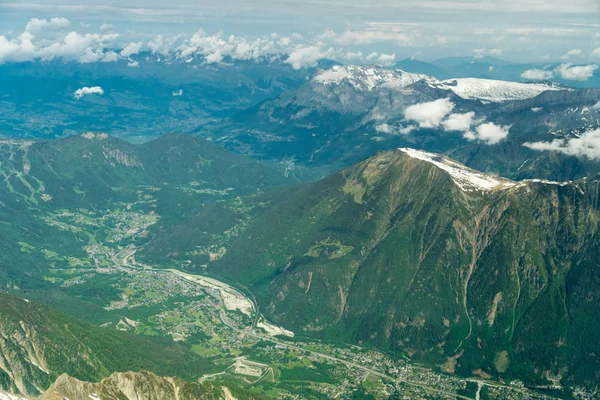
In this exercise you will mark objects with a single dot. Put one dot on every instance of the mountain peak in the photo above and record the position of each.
(94, 135)
(465, 178)
(368, 77)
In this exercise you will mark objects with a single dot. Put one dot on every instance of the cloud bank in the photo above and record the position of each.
(588, 145)
(567, 71)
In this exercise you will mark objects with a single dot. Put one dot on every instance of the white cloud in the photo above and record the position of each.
(84, 91)
(384, 128)
(110, 56)
(391, 129)
(214, 58)
(596, 106)
(71, 47)
(372, 56)
(214, 48)
(459, 122)
(588, 145)
(371, 36)
(351, 55)
(596, 52)
(537, 74)
(133, 64)
(573, 53)
(405, 130)
(479, 53)
(162, 45)
(107, 27)
(131, 49)
(576, 72)
(36, 25)
(305, 57)
(429, 114)
(178, 93)
(82, 48)
(386, 59)
(489, 133)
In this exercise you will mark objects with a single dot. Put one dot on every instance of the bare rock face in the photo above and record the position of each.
(130, 386)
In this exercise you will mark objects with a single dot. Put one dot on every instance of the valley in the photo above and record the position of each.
(299, 200)
(220, 322)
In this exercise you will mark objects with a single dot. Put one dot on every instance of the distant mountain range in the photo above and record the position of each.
(434, 211)
(345, 114)
(149, 100)
(486, 68)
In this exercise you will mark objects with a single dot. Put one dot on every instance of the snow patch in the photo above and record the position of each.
(368, 78)
(489, 90)
(465, 178)
(546, 182)
(493, 90)
(92, 135)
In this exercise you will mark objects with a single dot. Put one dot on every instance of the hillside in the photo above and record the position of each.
(132, 386)
(419, 255)
(95, 169)
(38, 344)
(131, 187)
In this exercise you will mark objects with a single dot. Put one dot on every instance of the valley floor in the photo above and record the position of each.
(223, 324)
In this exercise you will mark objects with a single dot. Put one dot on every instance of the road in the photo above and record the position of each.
(231, 324)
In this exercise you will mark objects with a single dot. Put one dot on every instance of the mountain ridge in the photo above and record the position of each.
(393, 253)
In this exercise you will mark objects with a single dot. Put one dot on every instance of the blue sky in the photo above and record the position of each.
(352, 30)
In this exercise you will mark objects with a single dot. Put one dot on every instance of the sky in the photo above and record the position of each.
(353, 31)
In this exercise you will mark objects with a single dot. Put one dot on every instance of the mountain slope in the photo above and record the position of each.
(86, 169)
(38, 344)
(416, 254)
(131, 386)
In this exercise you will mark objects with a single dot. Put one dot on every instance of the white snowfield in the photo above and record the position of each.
(470, 180)
(373, 77)
(493, 90)
(465, 178)
(368, 78)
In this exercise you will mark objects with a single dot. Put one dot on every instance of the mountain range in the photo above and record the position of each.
(347, 113)
(429, 214)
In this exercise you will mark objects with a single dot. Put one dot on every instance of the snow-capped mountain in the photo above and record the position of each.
(346, 113)
(494, 90)
(377, 78)
(368, 78)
